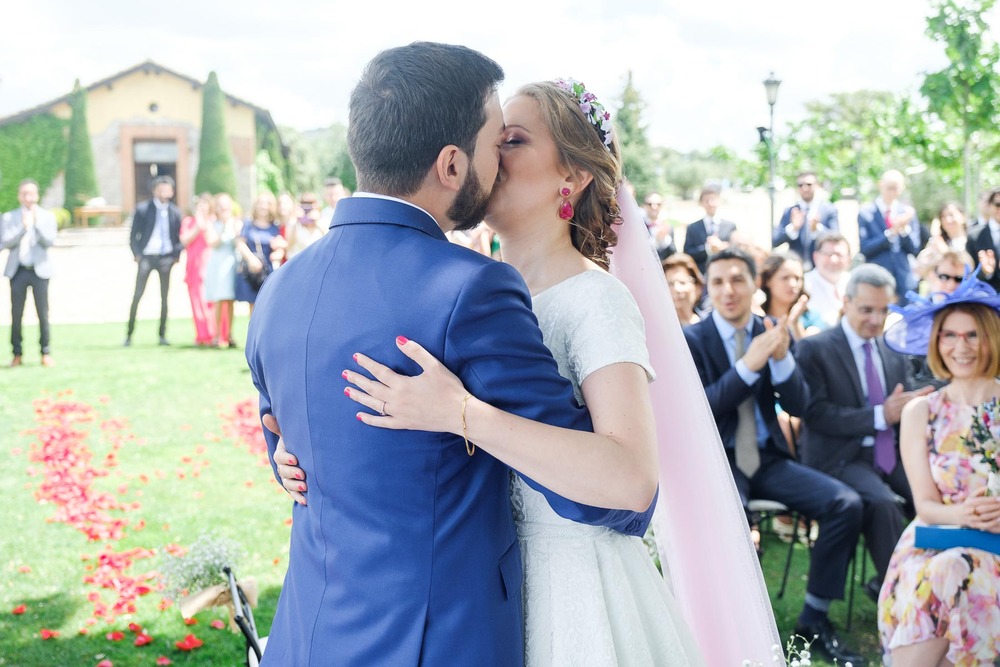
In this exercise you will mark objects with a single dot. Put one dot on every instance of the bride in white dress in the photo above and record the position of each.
(592, 596)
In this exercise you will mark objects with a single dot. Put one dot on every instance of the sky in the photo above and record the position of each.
(699, 65)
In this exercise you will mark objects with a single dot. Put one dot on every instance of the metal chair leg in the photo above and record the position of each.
(788, 558)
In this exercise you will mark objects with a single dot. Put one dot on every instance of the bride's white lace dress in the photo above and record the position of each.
(592, 596)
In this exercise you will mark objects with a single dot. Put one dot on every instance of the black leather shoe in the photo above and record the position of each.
(826, 642)
(164, 341)
(872, 589)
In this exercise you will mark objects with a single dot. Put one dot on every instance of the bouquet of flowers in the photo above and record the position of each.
(982, 440)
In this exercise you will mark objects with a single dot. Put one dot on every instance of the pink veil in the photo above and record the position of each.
(701, 530)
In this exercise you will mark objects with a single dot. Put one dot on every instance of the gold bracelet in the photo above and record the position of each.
(470, 448)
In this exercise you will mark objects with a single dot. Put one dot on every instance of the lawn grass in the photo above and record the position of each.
(176, 402)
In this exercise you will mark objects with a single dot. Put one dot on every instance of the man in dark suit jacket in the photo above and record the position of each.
(890, 233)
(851, 431)
(156, 246)
(983, 242)
(407, 552)
(803, 222)
(710, 234)
(742, 389)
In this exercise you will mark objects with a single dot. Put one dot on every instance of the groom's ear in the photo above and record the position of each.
(451, 167)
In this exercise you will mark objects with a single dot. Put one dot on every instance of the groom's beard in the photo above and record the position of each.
(470, 203)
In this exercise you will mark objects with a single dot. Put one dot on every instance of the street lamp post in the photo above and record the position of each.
(771, 87)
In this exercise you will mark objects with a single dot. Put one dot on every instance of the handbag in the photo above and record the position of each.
(255, 278)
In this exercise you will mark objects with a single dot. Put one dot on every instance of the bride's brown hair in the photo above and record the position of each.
(581, 147)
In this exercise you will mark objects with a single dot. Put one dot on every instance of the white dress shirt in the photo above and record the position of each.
(857, 344)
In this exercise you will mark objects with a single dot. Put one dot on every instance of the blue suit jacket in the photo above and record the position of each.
(696, 237)
(803, 244)
(891, 255)
(726, 390)
(407, 552)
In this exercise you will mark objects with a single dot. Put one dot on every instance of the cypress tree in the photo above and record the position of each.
(81, 178)
(215, 164)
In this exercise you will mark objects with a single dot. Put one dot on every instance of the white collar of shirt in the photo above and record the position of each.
(853, 339)
(374, 195)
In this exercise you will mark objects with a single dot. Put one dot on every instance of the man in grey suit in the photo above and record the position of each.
(27, 232)
(857, 389)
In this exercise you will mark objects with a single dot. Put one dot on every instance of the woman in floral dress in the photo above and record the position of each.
(942, 607)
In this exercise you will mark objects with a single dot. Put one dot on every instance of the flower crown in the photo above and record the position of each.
(592, 110)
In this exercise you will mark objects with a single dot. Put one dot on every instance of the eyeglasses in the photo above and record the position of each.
(681, 282)
(833, 253)
(806, 185)
(950, 338)
(947, 276)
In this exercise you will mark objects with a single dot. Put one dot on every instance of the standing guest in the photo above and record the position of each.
(983, 210)
(890, 233)
(939, 606)
(306, 229)
(827, 280)
(192, 237)
(948, 232)
(220, 271)
(984, 241)
(27, 232)
(710, 234)
(781, 282)
(286, 214)
(260, 245)
(858, 388)
(803, 222)
(333, 191)
(745, 363)
(686, 284)
(662, 233)
(156, 246)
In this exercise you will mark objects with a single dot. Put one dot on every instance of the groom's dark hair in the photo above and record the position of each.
(411, 102)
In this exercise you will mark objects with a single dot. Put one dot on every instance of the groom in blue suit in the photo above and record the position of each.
(407, 552)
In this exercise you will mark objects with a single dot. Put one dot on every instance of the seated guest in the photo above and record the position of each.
(745, 363)
(857, 389)
(939, 607)
(782, 285)
(827, 281)
(686, 284)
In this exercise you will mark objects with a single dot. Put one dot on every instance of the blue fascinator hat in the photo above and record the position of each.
(912, 334)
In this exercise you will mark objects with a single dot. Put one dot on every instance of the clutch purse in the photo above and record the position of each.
(947, 537)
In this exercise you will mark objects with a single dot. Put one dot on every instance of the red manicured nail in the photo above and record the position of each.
(344, 375)
(292, 460)
(298, 475)
(358, 416)
(401, 340)
(302, 487)
(355, 357)
(347, 392)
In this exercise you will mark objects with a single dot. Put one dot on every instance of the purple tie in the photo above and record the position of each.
(885, 446)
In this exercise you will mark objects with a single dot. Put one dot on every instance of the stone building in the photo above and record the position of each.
(146, 121)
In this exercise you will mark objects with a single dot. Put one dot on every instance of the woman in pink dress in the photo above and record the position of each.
(942, 607)
(193, 238)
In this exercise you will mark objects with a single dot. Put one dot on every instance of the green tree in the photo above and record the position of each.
(81, 178)
(638, 160)
(215, 163)
(34, 148)
(965, 93)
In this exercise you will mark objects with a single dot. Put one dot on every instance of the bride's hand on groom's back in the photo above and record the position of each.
(431, 401)
(293, 478)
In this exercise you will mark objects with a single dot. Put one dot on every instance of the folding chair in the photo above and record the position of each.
(768, 509)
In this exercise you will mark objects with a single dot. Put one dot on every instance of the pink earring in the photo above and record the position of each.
(566, 208)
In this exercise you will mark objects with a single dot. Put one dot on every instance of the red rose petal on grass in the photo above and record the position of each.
(277, 560)
(24, 569)
(217, 624)
(135, 627)
(288, 521)
(105, 663)
(18, 610)
(83, 631)
(190, 621)
(115, 636)
(163, 660)
(165, 604)
(142, 639)
(48, 634)
(189, 643)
